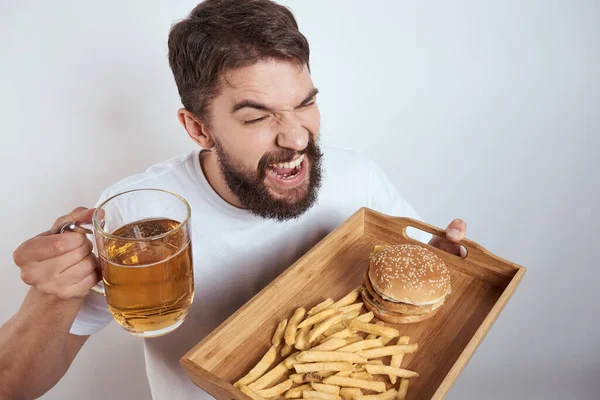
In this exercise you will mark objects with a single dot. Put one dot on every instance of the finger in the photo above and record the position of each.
(69, 259)
(83, 287)
(40, 248)
(77, 272)
(79, 214)
(456, 230)
(46, 272)
(446, 245)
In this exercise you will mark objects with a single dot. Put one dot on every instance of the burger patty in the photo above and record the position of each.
(398, 307)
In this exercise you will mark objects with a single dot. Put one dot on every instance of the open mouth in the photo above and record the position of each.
(288, 170)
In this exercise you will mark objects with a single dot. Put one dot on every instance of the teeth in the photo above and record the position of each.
(298, 161)
(291, 164)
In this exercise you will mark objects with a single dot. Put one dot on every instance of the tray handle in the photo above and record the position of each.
(409, 222)
(475, 252)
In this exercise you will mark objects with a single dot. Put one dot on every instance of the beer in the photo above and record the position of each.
(149, 283)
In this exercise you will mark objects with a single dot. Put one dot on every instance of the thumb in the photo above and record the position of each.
(80, 214)
(84, 216)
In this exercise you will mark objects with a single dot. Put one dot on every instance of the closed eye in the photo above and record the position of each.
(308, 104)
(253, 121)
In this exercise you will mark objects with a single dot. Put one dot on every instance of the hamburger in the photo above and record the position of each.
(405, 283)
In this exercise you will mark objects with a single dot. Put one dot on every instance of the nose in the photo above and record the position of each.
(292, 134)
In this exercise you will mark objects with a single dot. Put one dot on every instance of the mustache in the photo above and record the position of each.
(282, 156)
(311, 152)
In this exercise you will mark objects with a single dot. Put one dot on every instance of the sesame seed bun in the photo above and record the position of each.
(398, 307)
(409, 274)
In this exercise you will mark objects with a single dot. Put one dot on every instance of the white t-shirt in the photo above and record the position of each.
(233, 250)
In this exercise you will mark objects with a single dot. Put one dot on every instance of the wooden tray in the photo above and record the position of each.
(482, 284)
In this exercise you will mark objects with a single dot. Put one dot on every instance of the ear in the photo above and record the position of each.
(197, 130)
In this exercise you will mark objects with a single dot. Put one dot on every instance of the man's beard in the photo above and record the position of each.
(254, 195)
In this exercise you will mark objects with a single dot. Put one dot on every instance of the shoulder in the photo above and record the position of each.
(160, 175)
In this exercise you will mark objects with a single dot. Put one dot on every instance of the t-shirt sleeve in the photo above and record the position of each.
(93, 315)
(385, 198)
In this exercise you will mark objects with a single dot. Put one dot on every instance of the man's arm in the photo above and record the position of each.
(36, 348)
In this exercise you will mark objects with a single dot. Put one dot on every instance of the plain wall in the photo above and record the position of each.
(489, 111)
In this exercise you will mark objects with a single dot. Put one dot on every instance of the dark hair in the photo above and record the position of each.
(222, 35)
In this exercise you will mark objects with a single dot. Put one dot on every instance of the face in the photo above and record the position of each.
(265, 124)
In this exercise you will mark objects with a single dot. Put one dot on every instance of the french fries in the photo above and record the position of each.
(332, 344)
(372, 328)
(292, 326)
(347, 299)
(338, 352)
(320, 339)
(296, 393)
(387, 370)
(286, 350)
(320, 307)
(389, 395)
(324, 388)
(367, 317)
(361, 366)
(298, 378)
(362, 375)
(302, 339)
(278, 335)
(375, 386)
(291, 360)
(351, 307)
(313, 394)
(323, 326)
(385, 340)
(353, 339)
(320, 317)
(372, 335)
(403, 389)
(275, 390)
(374, 362)
(312, 356)
(311, 376)
(251, 393)
(270, 377)
(259, 369)
(396, 360)
(388, 351)
(344, 373)
(323, 366)
(351, 393)
(318, 376)
(344, 333)
(362, 345)
(334, 329)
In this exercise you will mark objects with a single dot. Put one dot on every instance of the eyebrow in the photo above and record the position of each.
(259, 106)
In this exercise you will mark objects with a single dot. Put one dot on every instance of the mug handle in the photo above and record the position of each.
(75, 227)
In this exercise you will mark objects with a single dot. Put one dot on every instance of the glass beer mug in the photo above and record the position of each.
(143, 243)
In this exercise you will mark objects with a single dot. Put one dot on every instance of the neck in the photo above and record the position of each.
(210, 167)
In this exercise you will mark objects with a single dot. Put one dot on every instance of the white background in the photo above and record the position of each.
(485, 110)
